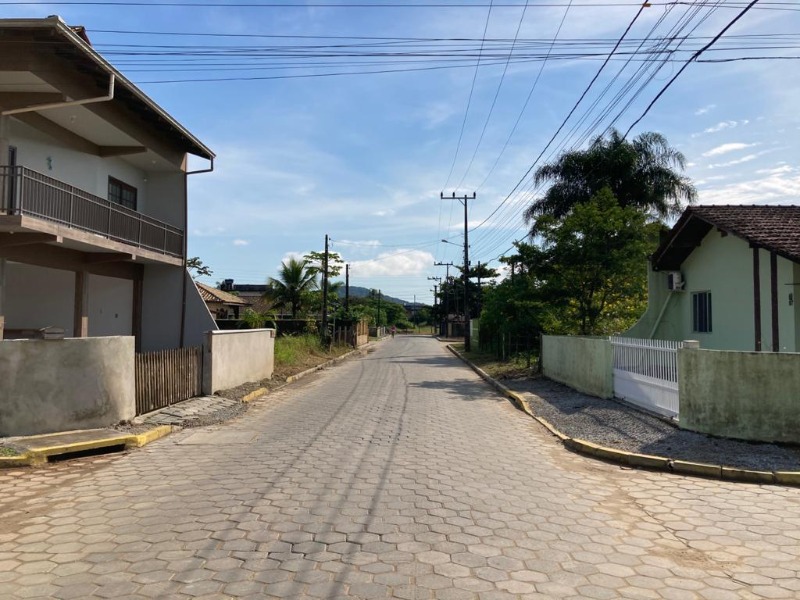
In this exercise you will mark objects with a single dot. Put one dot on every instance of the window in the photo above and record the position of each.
(121, 193)
(701, 312)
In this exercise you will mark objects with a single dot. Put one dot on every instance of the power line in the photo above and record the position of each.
(469, 99)
(683, 68)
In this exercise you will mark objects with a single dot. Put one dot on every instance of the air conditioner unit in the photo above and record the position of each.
(675, 281)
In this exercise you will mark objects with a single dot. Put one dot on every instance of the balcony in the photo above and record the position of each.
(25, 192)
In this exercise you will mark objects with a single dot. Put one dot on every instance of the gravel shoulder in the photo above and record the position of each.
(617, 425)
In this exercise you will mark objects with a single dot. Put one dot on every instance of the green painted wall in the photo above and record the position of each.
(582, 363)
(742, 395)
(723, 265)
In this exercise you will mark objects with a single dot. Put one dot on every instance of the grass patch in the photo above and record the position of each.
(6, 451)
(515, 367)
(298, 352)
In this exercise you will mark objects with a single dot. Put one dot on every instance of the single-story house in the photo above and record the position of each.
(729, 277)
(223, 305)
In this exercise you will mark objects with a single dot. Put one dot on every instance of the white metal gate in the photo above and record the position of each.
(646, 373)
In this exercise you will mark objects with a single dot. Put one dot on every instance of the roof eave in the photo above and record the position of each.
(58, 25)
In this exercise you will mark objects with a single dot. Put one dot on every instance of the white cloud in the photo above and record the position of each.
(383, 213)
(725, 148)
(738, 161)
(773, 189)
(731, 163)
(705, 109)
(721, 126)
(395, 264)
(241, 243)
(782, 170)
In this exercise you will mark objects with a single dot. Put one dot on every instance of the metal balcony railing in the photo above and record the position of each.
(27, 192)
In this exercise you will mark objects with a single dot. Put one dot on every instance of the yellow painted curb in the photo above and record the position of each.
(254, 395)
(39, 455)
(546, 424)
(142, 439)
(618, 456)
(787, 477)
(331, 362)
(699, 469)
(19, 460)
(747, 475)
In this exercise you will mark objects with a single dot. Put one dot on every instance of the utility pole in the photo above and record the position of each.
(463, 199)
(325, 292)
(435, 298)
(379, 306)
(347, 289)
(446, 333)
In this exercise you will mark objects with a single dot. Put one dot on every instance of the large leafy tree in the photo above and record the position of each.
(591, 266)
(294, 282)
(644, 173)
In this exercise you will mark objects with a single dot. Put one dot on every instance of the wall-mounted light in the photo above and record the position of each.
(791, 299)
(49, 161)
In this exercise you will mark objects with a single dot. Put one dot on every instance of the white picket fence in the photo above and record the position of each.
(646, 373)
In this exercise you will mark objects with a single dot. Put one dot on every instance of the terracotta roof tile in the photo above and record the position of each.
(212, 294)
(775, 228)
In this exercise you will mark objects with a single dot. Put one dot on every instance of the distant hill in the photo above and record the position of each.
(362, 292)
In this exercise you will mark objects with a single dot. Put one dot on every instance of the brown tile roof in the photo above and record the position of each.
(212, 294)
(774, 228)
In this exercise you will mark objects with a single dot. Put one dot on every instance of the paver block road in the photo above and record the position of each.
(398, 475)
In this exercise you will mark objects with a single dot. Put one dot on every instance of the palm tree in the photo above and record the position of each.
(294, 280)
(644, 173)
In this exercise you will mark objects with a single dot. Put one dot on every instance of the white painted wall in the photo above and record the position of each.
(231, 358)
(167, 195)
(162, 300)
(110, 306)
(41, 153)
(38, 297)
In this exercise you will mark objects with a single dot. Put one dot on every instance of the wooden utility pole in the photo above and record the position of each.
(463, 199)
(325, 292)
(446, 295)
(347, 289)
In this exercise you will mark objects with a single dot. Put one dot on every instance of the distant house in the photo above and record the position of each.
(93, 197)
(223, 305)
(253, 293)
(728, 276)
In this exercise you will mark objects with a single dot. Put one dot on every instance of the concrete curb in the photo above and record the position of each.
(644, 461)
(254, 395)
(41, 455)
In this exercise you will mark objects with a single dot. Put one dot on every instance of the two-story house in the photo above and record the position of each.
(93, 196)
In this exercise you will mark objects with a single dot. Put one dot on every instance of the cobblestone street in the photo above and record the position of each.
(397, 475)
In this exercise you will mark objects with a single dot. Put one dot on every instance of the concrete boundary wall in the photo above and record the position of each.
(744, 395)
(48, 386)
(583, 363)
(231, 358)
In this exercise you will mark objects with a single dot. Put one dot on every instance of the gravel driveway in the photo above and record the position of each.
(617, 425)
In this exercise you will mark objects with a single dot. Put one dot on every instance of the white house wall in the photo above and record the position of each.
(53, 158)
(162, 307)
(38, 297)
(110, 306)
(167, 186)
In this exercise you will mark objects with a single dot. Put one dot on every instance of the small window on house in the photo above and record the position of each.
(701, 312)
(121, 193)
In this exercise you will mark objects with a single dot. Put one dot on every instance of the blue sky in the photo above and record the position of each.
(363, 158)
